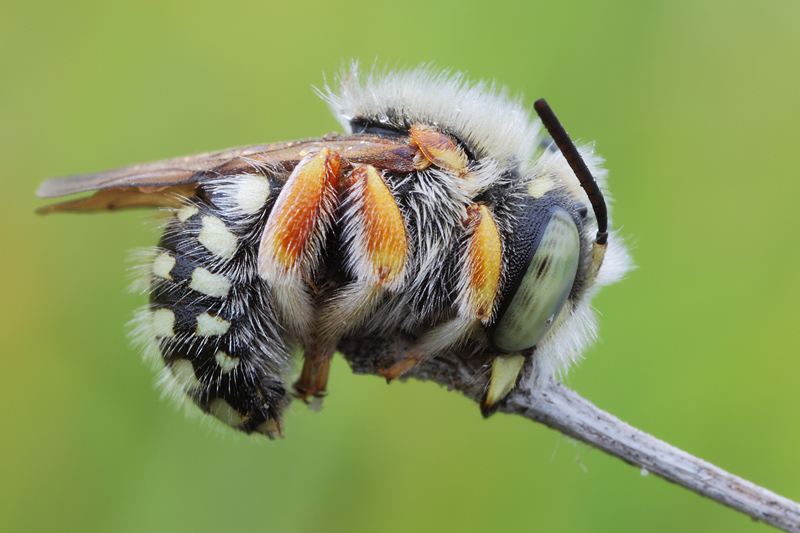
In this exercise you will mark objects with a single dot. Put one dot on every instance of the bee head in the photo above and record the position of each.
(548, 259)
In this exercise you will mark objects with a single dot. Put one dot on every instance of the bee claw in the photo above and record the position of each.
(302, 393)
(488, 410)
(398, 369)
(385, 373)
(303, 397)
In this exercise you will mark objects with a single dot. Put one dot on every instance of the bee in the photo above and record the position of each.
(441, 213)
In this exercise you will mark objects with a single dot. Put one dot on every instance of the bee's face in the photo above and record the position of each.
(433, 217)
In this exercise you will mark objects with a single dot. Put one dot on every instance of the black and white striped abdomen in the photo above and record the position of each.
(212, 318)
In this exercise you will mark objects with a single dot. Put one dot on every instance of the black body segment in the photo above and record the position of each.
(218, 338)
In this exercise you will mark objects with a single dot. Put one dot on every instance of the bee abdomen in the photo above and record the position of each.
(201, 295)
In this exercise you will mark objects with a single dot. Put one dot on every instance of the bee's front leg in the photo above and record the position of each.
(479, 282)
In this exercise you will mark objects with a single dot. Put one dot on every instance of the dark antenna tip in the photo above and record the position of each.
(578, 166)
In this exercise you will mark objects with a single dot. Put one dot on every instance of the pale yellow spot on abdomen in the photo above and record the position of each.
(223, 410)
(251, 193)
(184, 374)
(225, 361)
(217, 238)
(209, 326)
(271, 428)
(205, 281)
(162, 265)
(186, 212)
(163, 322)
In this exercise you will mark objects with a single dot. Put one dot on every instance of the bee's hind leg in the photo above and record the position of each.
(313, 380)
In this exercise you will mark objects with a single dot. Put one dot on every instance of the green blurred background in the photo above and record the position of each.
(694, 104)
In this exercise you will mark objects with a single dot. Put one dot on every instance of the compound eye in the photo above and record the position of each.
(539, 289)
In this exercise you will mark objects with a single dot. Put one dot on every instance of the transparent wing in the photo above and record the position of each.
(165, 183)
(177, 171)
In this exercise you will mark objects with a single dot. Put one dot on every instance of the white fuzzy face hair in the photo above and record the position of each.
(440, 214)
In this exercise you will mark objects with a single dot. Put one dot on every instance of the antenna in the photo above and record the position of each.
(576, 162)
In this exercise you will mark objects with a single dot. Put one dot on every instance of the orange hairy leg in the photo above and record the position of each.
(480, 281)
(294, 237)
(483, 262)
(298, 212)
(377, 251)
(382, 226)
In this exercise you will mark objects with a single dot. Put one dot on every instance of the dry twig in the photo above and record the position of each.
(551, 403)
